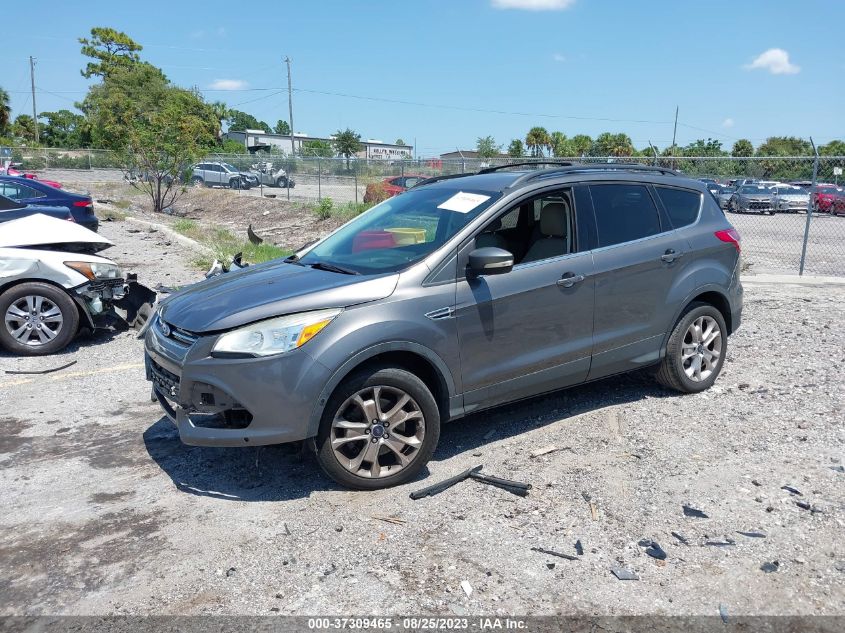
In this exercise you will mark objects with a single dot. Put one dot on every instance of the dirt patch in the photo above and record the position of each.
(101, 498)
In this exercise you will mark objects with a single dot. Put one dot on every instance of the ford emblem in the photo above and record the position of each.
(165, 329)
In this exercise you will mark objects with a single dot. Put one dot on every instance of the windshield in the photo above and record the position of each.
(754, 190)
(400, 231)
(229, 167)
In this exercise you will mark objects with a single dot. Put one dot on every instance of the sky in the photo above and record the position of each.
(441, 73)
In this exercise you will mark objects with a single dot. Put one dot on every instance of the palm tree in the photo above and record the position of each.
(5, 111)
(221, 113)
(537, 140)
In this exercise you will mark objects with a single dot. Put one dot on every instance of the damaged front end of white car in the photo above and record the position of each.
(53, 283)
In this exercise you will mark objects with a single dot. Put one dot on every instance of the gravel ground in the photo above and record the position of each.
(104, 511)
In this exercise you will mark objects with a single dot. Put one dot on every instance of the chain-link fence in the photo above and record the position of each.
(765, 197)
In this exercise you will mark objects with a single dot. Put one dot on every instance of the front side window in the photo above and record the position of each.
(624, 213)
(682, 206)
(400, 231)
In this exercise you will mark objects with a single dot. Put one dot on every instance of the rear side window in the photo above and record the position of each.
(624, 213)
(682, 206)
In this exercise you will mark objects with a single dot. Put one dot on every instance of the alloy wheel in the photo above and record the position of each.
(377, 432)
(33, 320)
(701, 349)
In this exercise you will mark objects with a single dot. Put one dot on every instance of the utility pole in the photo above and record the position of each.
(290, 109)
(674, 135)
(34, 109)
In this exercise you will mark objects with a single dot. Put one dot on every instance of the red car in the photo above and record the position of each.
(389, 187)
(829, 199)
(10, 171)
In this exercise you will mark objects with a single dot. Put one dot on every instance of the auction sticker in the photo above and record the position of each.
(463, 202)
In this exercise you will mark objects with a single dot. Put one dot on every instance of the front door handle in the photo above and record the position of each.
(670, 255)
(569, 279)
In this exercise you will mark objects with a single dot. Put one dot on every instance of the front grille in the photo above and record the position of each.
(759, 205)
(165, 382)
(183, 337)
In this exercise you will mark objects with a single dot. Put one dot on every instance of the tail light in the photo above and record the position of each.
(82, 203)
(731, 236)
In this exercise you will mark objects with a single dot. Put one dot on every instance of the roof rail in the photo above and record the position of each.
(428, 181)
(490, 170)
(586, 167)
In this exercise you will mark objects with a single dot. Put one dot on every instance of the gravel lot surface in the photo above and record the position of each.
(104, 511)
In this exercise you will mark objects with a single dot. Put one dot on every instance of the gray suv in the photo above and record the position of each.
(463, 293)
(220, 174)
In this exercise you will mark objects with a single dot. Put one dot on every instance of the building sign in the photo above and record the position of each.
(388, 153)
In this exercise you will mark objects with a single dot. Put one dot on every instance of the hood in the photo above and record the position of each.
(265, 291)
(42, 230)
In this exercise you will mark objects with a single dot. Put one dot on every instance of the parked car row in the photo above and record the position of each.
(748, 195)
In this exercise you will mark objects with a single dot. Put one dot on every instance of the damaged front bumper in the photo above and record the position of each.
(231, 402)
(115, 302)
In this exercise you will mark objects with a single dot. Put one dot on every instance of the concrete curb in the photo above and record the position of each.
(185, 241)
(795, 280)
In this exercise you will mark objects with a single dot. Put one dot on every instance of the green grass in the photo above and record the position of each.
(225, 245)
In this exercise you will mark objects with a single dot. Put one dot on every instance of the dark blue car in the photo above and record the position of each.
(14, 210)
(29, 191)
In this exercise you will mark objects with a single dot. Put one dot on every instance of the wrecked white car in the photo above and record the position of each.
(52, 284)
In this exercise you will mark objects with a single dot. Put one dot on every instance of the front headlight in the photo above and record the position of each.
(274, 336)
(95, 270)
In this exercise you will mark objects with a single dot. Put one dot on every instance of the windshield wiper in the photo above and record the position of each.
(293, 259)
(334, 268)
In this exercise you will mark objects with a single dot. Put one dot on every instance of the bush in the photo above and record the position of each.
(324, 209)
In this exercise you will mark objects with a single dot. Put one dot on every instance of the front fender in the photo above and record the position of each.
(371, 352)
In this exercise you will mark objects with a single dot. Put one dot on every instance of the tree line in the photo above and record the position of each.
(540, 143)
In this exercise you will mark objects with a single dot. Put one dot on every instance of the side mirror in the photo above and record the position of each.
(490, 261)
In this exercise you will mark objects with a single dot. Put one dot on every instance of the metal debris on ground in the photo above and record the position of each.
(768, 568)
(466, 587)
(551, 552)
(514, 487)
(791, 490)
(579, 549)
(695, 513)
(723, 613)
(655, 551)
(680, 538)
(624, 574)
(838, 469)
(752, 534)
(726, 543)
(393, 520)
(544, 451)
(38, 372)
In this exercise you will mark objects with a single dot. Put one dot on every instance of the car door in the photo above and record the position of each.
(529, 330)
(637, 261)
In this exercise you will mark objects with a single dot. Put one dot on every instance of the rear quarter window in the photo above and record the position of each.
(682, 206)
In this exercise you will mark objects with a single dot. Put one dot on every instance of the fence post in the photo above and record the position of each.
(355, 175)
(89, 159)
(319, 179)
(809, 208)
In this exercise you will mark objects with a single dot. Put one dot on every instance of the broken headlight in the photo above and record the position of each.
(95, 270)
(274, 336)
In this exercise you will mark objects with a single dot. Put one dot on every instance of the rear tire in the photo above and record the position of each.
(56, 318)
(196, 181)
(692, 362)
(412, 428)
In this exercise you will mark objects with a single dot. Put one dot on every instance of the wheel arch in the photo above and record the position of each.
(413, 357)
(711, 295)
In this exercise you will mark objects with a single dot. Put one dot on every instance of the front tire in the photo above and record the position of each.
(695, 351)
(379, 429)
(282, 182)
(196, 181)
(38, 319)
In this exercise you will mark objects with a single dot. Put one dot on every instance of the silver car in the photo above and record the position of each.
(789, 199)
(218, 174)
(752, 199)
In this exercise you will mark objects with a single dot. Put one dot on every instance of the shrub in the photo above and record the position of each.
(324, 209)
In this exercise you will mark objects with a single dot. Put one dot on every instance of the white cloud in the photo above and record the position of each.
(228, 84)
(776, 61)
(559, 58)
(729, 122)
(533, 5)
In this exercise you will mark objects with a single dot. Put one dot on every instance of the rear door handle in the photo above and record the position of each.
(670, 255)
(569, 279)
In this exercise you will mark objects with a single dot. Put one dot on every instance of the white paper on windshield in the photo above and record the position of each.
(463, 202)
